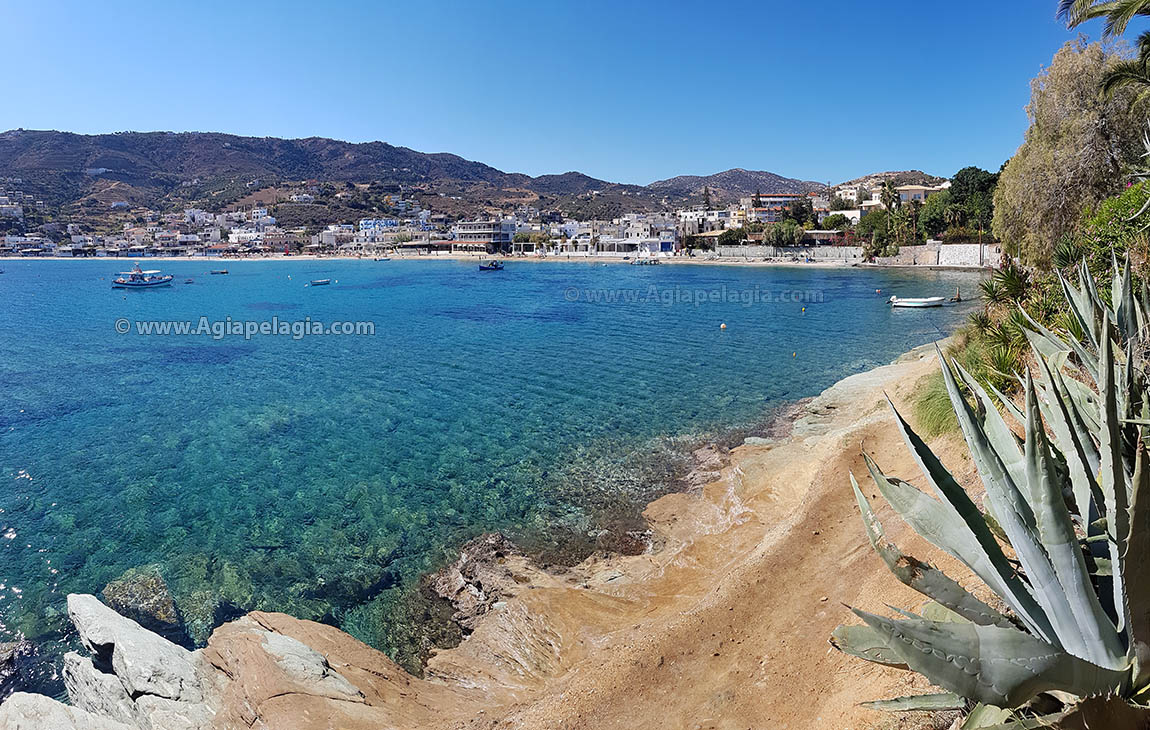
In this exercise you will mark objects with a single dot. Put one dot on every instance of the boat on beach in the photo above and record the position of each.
(917, 302)
(137, 278)
(493, 266)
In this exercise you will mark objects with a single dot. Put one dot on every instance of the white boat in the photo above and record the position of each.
(140, 279)
(917, 302)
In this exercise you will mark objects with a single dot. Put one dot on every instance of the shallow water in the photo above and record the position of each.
(316, 475)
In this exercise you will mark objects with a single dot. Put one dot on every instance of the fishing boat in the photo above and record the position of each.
(493, 266)
(319, 282)
(383, 258)
(219, 271)
(917, 303)
(137, 278)
(645, 262)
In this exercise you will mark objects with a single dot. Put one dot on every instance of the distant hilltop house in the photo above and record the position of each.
(302, 198)
(10, 208)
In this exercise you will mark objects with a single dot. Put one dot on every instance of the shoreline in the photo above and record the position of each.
(727, 617)
(475, 258)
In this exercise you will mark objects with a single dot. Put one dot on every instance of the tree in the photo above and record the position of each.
(933, 217)
(706, 198)
(971, 180)
(840, 203)
(835, 222)
(732, 237)
(889, 196)
(1075, 151)
(1132, 74)
(801, 211)
(757, 201)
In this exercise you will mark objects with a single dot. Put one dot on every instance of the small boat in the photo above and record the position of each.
(383, 258)
(493, 266)
(917, 303)
(644, 262)
(219, 271)
(189, 281)
(319, 282)
(140, 279)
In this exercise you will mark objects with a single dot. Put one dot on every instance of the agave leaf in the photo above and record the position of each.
(985, 716)
(919, 703)
(1124, 306)
(1081, 305)
(990, 664)
(1112, 480)
(935, 611)
(969, 541)
(1136, 569)
(1070, 442)
(1015, 413)
(1056, 344)
(1013, 510)
(1096, 640)
(1029, 723)
(866, 643)
(923, 577)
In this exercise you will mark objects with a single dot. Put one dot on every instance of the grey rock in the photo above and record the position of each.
(23, 711)
(308, 667)
(95, 691)
(142, 595)
(157, 713)
(144, 662)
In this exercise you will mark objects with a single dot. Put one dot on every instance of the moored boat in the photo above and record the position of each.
(319, 282)
(137, 278)
(219, 271)
(917, 302)
(493, 266)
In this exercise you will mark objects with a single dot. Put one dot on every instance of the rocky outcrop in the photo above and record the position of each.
(262, 672)
(142, 595)
(476, 581)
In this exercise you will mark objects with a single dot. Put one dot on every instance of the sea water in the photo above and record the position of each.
(322, 475)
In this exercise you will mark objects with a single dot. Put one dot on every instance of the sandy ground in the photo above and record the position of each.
(725, 625)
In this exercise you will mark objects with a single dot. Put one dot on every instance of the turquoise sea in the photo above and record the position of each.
(323, 475)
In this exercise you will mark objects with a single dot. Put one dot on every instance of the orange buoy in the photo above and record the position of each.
(723, 326)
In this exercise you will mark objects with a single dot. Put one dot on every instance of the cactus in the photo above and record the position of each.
(1064, 545)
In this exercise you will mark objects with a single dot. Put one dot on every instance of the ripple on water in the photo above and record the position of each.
(323, 476)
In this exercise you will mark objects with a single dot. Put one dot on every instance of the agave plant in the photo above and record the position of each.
(1063, 547)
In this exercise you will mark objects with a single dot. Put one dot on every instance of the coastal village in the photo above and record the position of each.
(740, 230)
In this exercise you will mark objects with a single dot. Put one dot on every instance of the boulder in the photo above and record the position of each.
(142, 595)
(146, 663)
(23, 711)
(97, 692)
(478, 579)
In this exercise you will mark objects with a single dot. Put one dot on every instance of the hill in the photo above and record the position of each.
(169, 171)
(730, 185)
(899, 177)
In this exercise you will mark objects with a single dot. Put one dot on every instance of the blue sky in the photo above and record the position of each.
(627, 91)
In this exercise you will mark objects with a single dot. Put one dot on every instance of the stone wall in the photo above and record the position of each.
(819, 253)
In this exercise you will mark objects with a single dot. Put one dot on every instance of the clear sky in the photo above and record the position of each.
(623, 90)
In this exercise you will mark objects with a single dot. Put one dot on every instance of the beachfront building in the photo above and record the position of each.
(493, 234)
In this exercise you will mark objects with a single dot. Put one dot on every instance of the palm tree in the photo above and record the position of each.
(1118, 13)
